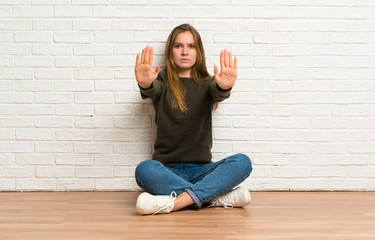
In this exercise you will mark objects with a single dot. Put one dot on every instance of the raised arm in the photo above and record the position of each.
(143, 68)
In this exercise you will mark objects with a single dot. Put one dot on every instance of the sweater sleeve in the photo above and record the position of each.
(216, 93)
(152, 92)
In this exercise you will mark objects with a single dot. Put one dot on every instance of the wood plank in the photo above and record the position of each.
(111, 215)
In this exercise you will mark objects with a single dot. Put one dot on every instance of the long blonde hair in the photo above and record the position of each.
(176, 90)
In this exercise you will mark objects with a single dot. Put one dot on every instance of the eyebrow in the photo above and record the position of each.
(182, 43)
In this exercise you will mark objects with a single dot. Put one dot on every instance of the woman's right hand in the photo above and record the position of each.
(143, 68)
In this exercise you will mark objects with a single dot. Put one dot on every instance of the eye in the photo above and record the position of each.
(177, 46)
(191, 46)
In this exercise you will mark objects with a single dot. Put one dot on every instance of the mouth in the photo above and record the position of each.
(184, 60)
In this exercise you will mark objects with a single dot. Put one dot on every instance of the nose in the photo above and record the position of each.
(184, 51)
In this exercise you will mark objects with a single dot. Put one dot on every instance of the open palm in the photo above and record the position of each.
(227, 76)
(143, 68)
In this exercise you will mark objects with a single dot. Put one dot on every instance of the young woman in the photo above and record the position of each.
(184, 96)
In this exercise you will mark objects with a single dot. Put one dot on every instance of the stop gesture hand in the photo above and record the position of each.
(228, 71)
(143, 68)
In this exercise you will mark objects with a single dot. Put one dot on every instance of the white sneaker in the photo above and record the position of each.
(238, 197)
(153, 204)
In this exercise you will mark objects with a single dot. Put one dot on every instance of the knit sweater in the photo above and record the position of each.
(184, 137)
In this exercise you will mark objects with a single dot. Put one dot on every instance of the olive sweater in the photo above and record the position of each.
(184, 137)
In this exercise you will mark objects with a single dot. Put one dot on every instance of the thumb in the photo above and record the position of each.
(216, 71)
(157, 70)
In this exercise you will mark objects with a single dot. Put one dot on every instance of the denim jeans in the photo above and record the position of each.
(201, 182)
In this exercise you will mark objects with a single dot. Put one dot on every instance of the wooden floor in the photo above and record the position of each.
(111, 215)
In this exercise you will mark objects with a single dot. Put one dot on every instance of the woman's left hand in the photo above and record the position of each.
(228, 71)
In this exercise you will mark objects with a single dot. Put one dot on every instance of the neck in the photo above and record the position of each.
(185, 73)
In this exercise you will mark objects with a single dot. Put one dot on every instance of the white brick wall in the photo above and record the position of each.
(303, 108)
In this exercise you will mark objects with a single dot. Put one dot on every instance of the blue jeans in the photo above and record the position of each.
(201, 182)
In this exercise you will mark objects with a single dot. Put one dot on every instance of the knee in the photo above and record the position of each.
(144, 168)
(244, 163)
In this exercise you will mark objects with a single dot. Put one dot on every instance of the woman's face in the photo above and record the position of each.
(184, 53)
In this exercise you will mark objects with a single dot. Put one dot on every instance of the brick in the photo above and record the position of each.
(91, 25)
(115, 160)
(73, 37)
(53, 122)
(114, 37)
(276, 38)
(290, 148)
(94, 172)
(7, 185)
(291, 172)
(112, 12)
(329, 12)
(272, 12)
(33, 61)
(75, 61)
(7, 85)
(73, 11)
(53, 73)
(15, 49)
(74, 110)
(34, 86)
(16, 122)
(94, 97)
(113, 61)
(95, 73)
(70, 184)
(33, 37)
(53, 147)
(133, 148)
(50, 2)
(54, 172)
(73, 86)
(271, 135)
(74, 135)
(53, 97)
(113, 136)
(33, 12)
(139, 122)
(332, 148)
(35, 134)
(93, 49)
(51, 24)
(35, 159)
(7, 159)
(42, 184)
(7, 134)
(125, 171)
(114, 110)
(55, 49)
(74, 159)
(93, 122)
(233, 12)
(90, 2)
(17, 172)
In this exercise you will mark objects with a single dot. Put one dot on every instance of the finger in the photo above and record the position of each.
(137, 60)
(230, 60)
(221, 60)
(235, 63)
(151, 58)
(226, 64)
(157, 70)
(147, 55)
(143, 56)
(216, 71)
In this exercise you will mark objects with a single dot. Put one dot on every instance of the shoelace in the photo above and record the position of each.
(215, 203)
(173, 197)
